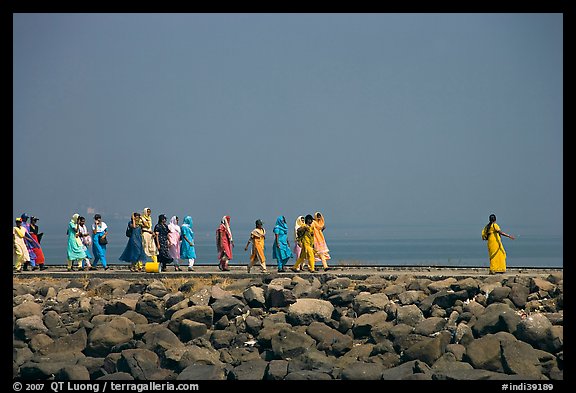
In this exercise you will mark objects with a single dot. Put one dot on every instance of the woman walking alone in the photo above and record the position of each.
(281, 248)
(492, 233)
(224, 243)
(187, 251)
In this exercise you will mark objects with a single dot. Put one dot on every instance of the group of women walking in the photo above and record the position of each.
(81, 241)
(26, 240)
(170, 243)
(165, 243)
(310, 245)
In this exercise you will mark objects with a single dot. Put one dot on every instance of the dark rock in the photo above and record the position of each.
(229, 306)
(221, 338)
(276, 370)
(199, 372)
(200, 314)
(496, 317)
(140, 363)
(75, 342)
(364, 324)
(254, 296)
(190, 330)
(406, 370)
(73, 373)
(151, 307)
(428, 350)
(329, 340)
(289, 344)
(497, 295)
(254, 370)
(306, 311)
(278, 296)
(307, 375)
(121, 376)
(367, 303)
(160, 339)
(104, 336)
(362, 371)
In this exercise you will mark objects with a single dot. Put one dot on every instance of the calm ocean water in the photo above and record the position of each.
(378, 245)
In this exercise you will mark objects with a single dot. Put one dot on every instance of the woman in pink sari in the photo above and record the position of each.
(174, 242)
(224, 243)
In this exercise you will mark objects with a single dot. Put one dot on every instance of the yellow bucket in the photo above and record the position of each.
(153, 267)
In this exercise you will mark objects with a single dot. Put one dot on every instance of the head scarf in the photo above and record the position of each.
(187, 222)
(281, 224)
(75, 218)
(299, 222)
(173, 226)
(319, 221)
(146, 219)
(226, 223)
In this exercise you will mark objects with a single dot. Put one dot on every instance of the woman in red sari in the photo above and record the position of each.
(38, 237)
(224, 243)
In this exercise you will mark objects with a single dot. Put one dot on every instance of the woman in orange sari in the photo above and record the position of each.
(492, 233)
(320, 247)
(257, 237)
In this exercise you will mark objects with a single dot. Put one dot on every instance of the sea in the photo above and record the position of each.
(377, 245)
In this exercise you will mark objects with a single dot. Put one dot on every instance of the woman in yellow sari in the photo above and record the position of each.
(305, 238)
(148, 241)
(492, 233)
(20, 254)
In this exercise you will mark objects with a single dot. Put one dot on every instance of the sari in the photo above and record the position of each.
(134, 250)
(161, 230)
(280, 250)
(298, 224)
(75, 249)
(305, 236)
(20, 254)
(174, 240)
(148, 242)
(187, 250)
(224, 242)
(320, 246)
(257, 237)
(37, 249)
(496, 251)
(99, 250)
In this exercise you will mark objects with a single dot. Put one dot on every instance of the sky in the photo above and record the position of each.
(381, 119)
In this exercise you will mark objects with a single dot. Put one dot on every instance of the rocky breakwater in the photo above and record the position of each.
(289, 327)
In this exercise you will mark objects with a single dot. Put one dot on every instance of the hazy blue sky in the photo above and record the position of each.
(369, 118)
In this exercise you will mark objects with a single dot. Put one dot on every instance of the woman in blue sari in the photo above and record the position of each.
(99, 231)
(281, 248)
(187, 251)
(134, 251)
